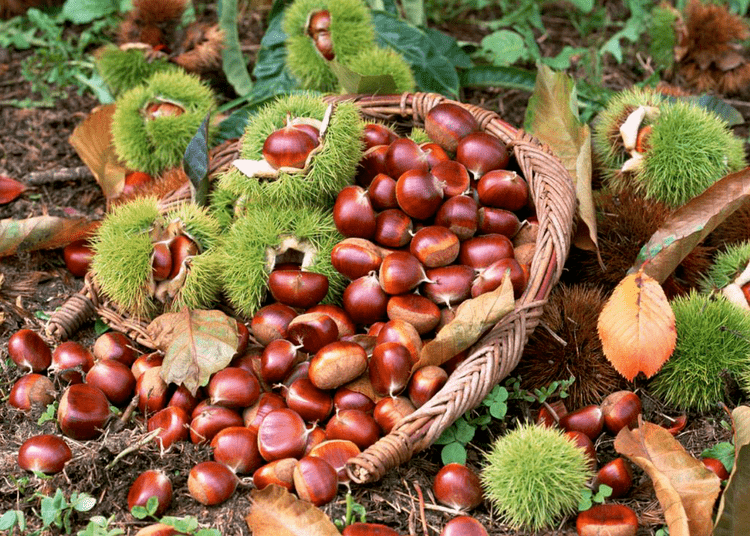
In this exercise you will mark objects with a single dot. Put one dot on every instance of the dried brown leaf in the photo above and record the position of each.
(686, 489)
(195, 344)
(276, 512)
(733, 517)
(637, 327)
(10, 189)
(42, 232)
(473, 317)
(691, 223)
(92, 140)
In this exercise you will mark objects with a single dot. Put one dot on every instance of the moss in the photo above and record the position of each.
(534, 475)
(154, 145)
(713, 341)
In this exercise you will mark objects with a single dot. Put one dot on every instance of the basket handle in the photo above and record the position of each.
(76, 311)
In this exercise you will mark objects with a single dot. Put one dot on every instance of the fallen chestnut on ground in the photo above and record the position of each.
(610, 519)
(457, 486)
(82, 412)
(151, 483)
(211, 483)
(28, 350)
(45, 453)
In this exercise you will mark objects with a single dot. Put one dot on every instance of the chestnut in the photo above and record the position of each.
(173, 423)
(211, 420)
(278, 359)
(417, 310)
(403, 333)
(353, 213)
(447, 122)
(114, 345)
(211, 483)
(271, 322)
(460, 214)
(448, 285)
(371, 163)
(337, 363)
(368, 529)
(405, 155)
(152, 391)
(400, 272)
(278, 472)
(382, 192)
(615, 519)
(70, 361)
(254, 415)
(180, 248)
(136, 180)
(375, 133)
(463, 526)
(365, 300)
(31, 390)
(297, 288)
(344, 322)
(356, 257)
(584, 442)
(390, 410)
(315, 436)
(161, 261)
(491, 277)
(418, 193)
(151, 483)
(315, 480)
(497, 221)
(233, 387)
(354, 425)
(502, 188)
(716, 467)
(282, 434)
(454, 177)
(588, 419)
(184, 399)
(390, 368)
(337, 452)
(145, 362)
(481, 152)
(434, 246)
(481, 251)
(114, 378)
(616, 474)
(425, 383)
(345, 398)
(288, 147)
(78, 255)
(458, 487)
(311, 403)
(312, 331)
(45, 453)
(434, 154)
(82, 412)
(28, 350)
(620, 409)
(393, 228)
(324, 45)
(237, 448)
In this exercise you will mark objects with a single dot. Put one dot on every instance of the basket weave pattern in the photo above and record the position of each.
(494, 356)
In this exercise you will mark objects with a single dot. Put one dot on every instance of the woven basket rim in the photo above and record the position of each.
(497, 352)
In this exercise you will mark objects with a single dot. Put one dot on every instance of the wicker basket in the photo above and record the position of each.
(497, 353)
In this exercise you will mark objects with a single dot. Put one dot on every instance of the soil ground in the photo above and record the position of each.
(35, 140)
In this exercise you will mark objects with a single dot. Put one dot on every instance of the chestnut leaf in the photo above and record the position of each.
(196, 343)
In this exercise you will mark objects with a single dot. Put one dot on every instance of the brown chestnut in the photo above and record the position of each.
(278, 472)
(613, 519)
(337, 452)
(365, 300)
(211, 483)
(312, 331)
(282, 434)
(502, 188)
(237, 448)
(115, 345)
(458, 487)
(173, 422)
(78, 255)
(588, 419)
(620, 409)
(70, 361)
(45, 453)
(353, 425)
(616, 474)
(31, 390)
(435, 246)
(28, 351)
(271, 322)
(447, 122)
(417, 310)
(233, 387)
(481, 152)
(315, 480)
(151, 483)
(419, 193)
(353, 213)
(425, 383)
(463, 526)
(460, 214)
(82, 412)
(297, 288)
(114, 378)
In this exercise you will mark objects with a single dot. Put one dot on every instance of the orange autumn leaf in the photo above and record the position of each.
(637, 326)
(686, 489)
(276, 512)
(10, 189)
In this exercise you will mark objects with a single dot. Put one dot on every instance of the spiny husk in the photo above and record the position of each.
(374, 61)
(727, 265)
(122, 70)
(158, 144)
(534, 475)
(351, 30)
(122, 257)
(246, 245)
(691, 149)
(419, 135)
(332, 168)
(568, 344)
(712, 347)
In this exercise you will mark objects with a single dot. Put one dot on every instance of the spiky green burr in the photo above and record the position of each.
(534, 475)
(727, 265)
(713, 343)
(332, 168)
(123, 247)
(122, 70)
(374, 61)
(263, 232)
(351, 30)
(153, 145)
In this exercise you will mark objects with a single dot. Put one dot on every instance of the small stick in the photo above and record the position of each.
(38, 178)
(120, 423)
(132, 448)
(421, 508)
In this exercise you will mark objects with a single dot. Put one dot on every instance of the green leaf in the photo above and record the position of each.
(432, 71)
(453, 453)
(414, 12)
(603, 492)
(448, 436)
(493, 75)
(195, 343)
(233, 126)
(100, 327)
(724, 452)
(504, 47)
(583, 5)
(714, 104)
(585, 502)
(353, 82)
(195, 163)
(139, 512)
(563, 59)
(464, 431)
(233, 62)
(449, 47)
(83, 502)
(8, 519)
(85, 11)
(498, 410)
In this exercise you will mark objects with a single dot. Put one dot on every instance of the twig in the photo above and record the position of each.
(132, 448)
(421, 508)
(38, 178)
(120, 423)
